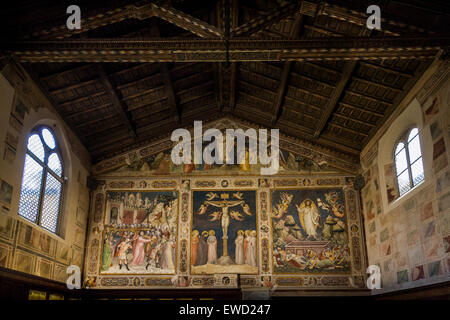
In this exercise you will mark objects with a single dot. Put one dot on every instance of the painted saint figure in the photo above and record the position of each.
(107, 253)
(246, 241)
(166, 261)
(202, 250)
(194, 246)
(212, 247)
(239, 250)
(251, 250)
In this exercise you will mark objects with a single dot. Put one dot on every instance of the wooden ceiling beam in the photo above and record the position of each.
(186, 21)
(228, 20)
(276, 108)
(200, 85)
(134, 82)
(322, 68)
(141, 12)
(264, 20)
(323, 31)
(361, 109)
(74, 86)
(172, 100)
(386, 69)
(301, 113)
(170, 92)
(355, 12)
(348, 129)
(52, 76)
(303, 103)
(320, 96)
(81, 99)
(335, 96)
(325, 84)
(99, 130)
(214, 50)
(142, 93)
(94, 108)
(145, 103)
(257, 88)
(255, 96)
(55, 105)
(96, 120)
(193, 98)
(117, 104)
(378, 84)
(340, 115)
(362, 95)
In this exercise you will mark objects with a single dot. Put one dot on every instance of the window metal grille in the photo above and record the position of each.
(408, 162)
(42, 182)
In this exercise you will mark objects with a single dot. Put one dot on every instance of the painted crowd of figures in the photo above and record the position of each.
(134, 250)
(204, 248)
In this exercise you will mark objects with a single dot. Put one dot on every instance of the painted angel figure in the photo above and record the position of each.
(309, 217)
(281, 208)
(336, 207)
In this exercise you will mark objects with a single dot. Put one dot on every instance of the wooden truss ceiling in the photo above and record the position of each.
(134, 72)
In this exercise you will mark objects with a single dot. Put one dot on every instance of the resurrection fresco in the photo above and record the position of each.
(224, 232)
(140, 234)
(309, 231)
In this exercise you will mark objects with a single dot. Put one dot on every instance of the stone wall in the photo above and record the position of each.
(408, 237)
(25, 246)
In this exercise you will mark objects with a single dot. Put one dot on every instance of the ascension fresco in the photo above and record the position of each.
(224, 236)
(141, 233)
(309, 231)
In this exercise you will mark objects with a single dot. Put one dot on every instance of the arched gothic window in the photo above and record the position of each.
(42, 182)
(408, 161)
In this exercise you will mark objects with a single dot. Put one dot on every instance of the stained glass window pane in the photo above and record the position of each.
(50, 207)
(31, 189)
(414, 149)
(48, 138)
(403, 182)
(36, 147)
(55, 164)
(400, 161)
(417, 172)
(414, 132)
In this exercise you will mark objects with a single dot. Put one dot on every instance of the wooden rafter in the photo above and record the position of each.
(336, 95)
(146, 11)
(340, 115)
(228, 15)
(117, 104)
(170, 92)
(55, 105)
(387, 69)
(355, 13)
(74, 86)
(213, 50)
(264, 21)
(276, 108)
(87, 110)
(75, 101)
(362, 109)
